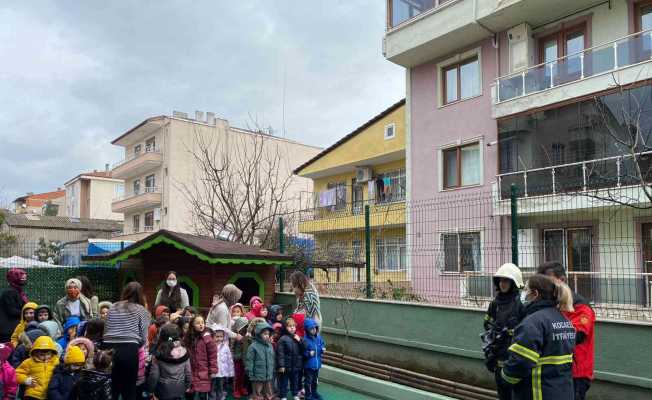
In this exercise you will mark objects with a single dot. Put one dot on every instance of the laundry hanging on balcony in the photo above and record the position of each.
(328, 198)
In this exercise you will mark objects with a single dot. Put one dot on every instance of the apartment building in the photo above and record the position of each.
(159, 167)
(36, 203)
(528, 93)
(364, 167)
(89, 195)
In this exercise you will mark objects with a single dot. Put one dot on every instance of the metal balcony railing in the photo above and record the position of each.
(133, 156)
(145, 190)
(400, 11)
(604, 58)
(603, 173)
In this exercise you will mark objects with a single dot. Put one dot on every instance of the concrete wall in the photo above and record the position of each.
(444, 342)
(102, 193)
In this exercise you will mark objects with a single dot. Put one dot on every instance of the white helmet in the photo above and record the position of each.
(509, 271)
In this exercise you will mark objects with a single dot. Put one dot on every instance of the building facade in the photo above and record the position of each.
(160, 167)
(38, 203)
(89, 195)
(540, 95)
(364, 168)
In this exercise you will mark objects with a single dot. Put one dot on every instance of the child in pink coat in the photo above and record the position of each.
(8, 384)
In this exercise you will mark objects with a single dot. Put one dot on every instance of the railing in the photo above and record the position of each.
(133, 156)
(629, 50)
(603, 173)
(148, 228)
(146, 189)
(404, 10)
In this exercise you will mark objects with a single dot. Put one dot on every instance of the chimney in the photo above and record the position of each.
(106, 168)
(210, 118)
(199, 116)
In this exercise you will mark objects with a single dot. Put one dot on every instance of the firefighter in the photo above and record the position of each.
(541, 354)
(505, 312)
(583, 319)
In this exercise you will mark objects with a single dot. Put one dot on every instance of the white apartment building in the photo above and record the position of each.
(89, 195)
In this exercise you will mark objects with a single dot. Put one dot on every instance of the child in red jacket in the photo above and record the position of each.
(203, 356)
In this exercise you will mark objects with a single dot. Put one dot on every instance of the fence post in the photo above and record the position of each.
(514, 212)
(367, 249)
(281, 249)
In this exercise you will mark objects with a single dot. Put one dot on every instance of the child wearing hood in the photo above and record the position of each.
(225, 367)
(69, 331)
(43, 313)
(505, 312)
(275, 315)
(170, 376)
(66, 376)
(27, 339)
(238, 351)
(36, 372)
(237, 311)
(96, 383)
(87, 347)
(289, 360)
(313, 348)
(28, 314)
(8, 384)
(161, 316)
(103, 307)
(260, 363)
(53, 330)
(252, 303)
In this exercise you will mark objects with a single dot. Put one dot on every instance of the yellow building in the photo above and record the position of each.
(365, 167)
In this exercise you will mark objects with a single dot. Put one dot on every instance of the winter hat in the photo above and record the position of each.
(160, 310)
(254, 300)
(52, 328)
(34, 334)
(103, 304)
(237, 305)
(240, 323)
(73, 281)
(74, 355)
(300, 320)
(217, 328)
(44, 343)
(16, 281)
(257, 309)
(90, 347)
(277, 327)
(231, 294)
(5, 351)
(44, 307)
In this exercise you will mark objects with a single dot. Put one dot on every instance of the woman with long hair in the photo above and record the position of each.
(125, 332)
(308, 302)
(219, 313)
(171, 294)
(87, 291)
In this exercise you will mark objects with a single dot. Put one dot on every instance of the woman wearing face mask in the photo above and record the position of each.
(12, 300)
(541, 354)
(74, 303)
(171, 294)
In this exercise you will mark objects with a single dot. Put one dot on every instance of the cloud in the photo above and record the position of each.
(80, 74)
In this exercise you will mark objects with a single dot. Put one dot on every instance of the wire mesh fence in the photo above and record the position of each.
(445, 250)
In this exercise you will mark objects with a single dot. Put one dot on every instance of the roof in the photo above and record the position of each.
(213, 251)
(94, 174)
(63, 223)
(145, 122)
(42, 197)
(358, 130)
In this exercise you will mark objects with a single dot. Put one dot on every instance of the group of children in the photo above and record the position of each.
(262, 355)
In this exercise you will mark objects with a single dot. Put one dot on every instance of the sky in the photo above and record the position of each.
(75, 75)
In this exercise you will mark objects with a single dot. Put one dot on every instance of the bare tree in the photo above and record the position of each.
(240, 184)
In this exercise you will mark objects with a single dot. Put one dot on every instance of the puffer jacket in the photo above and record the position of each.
(20, 328)
(583, 319)
(541, 354)
(8, 384)
(203, 363)
(70, 322)
(312, 344)
(94, 385)
(21, 353)
(289, 352)
(42, 371)
(259, 363)
(170, 375)
(63, 383)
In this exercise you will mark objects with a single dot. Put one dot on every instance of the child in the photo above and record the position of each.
(504, 313)
(289, 359)
(170, 376)
(69, 331)
(252, 303)
(27, 316)
(35, 372)
(203, 356)
(260, 311)
(27, 339)
(161, 316)
(314, 347)
(95, 331)
(43, 313)
(96, 383)
(8, 384)
(66, 376)
(300, 320)
(87, 347)
(224, 363)
(237, 311)
(275, 314)
(260, 363)
(104, 309)
(276, 335)
(52, 329)
(238, 351)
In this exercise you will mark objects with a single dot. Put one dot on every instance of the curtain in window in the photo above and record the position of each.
(450, 168)
(470, 165)
(470, 79)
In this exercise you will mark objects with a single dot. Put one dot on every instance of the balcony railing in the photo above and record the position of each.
(603, 173)
(400, 11)
(604, 58)
(133, 156)
(145, 190)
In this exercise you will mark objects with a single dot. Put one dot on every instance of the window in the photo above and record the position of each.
(149, 221)
(461, 252)
(403, 10)
(643, 17)
(461, 166)
(572, 247)
(137, 149)
(136, 223)
(461, 81)
(150, 183)
(137, 186)
(339, 191)
(357, 197)
(391, 187)
(565, 42)
(391, 254)
(390, 131)
(150, 145)
(358, 258)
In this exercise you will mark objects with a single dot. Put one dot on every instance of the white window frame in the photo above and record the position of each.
(385, 243)
(387, 128)
(454, 60)
(459, 143)
(442, 268)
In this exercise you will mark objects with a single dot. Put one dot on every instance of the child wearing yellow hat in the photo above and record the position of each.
(65, 376)
(36, 372)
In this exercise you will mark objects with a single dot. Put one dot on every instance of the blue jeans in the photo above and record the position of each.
(310, 379)
(288, 380)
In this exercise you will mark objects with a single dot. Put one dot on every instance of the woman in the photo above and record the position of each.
(219, 313)
(87, 291)
(307, 296)
(171, 294)
(12, 301)
(125, 332)
(541, 354)
(74, 303)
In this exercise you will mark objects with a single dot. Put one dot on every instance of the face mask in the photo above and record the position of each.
(171, 282)
(73, 292)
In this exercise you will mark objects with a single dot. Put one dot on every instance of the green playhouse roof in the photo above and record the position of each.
(210, 250)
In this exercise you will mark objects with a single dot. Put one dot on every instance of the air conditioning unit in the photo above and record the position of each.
(521, 47)
(363, 174)
(157, 214)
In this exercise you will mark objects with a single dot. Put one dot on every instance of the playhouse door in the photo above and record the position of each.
(250, 287)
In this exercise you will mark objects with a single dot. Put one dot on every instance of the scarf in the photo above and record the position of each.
(13, 278)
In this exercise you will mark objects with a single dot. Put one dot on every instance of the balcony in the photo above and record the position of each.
(138, 164)
(625, 60)
(149, 198)
(351, 217)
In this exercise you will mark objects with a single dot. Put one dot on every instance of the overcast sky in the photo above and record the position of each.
(75, 75)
